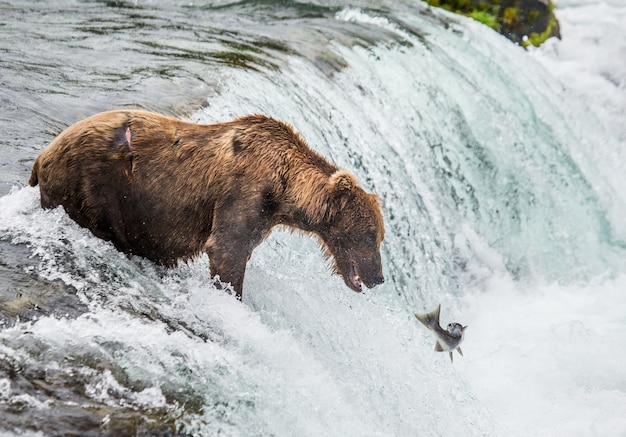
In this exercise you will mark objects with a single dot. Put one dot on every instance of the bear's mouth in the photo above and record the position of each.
(354, 280)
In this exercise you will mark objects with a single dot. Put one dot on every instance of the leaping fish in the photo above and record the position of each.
(447, 340)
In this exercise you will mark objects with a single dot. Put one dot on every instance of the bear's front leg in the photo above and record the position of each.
(238, 227)
(230, 268)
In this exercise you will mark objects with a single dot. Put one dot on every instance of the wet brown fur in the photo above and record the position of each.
(168, 190)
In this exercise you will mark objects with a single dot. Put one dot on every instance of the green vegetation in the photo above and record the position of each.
(537, 39)
(486, 18)
(522, 21)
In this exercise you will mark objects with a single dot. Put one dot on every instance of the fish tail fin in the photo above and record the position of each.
(431, 319)
(438, 347)
(459, 351)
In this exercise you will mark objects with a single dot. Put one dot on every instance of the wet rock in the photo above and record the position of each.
(75, 420)
(25, 296)
(524, 22)
(38, 395)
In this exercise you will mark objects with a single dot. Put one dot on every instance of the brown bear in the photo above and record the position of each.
(167, 190)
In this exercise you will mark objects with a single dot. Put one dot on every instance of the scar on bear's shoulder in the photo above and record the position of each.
(237, 144)
(122, 139)
(122, 142)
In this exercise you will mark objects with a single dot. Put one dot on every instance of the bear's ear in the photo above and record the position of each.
(376, 200)
(342, 180)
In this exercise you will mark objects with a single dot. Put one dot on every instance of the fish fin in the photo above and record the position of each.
(422, 318)
(451, 357)
(430, 319)
(438, 347)
(435, 315)
(459, 351)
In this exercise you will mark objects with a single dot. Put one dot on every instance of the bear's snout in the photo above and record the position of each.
(374, 281)
(372, 270)
(377, 280)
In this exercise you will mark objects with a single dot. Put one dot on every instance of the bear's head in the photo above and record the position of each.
(353, 232)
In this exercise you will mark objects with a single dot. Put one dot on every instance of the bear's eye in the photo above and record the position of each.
(369, 238)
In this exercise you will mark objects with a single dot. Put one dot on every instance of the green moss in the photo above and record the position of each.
(537, 39)
(486, 18)
(510, 18)
(533, 15)
(485, 12)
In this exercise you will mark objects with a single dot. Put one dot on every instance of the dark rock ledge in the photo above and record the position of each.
(524, 22)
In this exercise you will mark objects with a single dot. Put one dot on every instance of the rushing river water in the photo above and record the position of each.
(499, 202)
